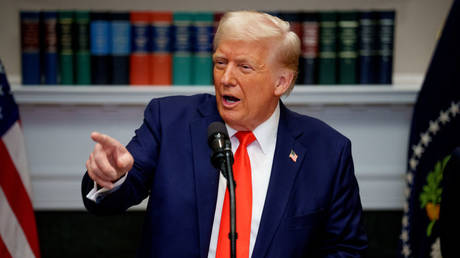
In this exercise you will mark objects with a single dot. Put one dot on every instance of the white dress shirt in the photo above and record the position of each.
(261, 153)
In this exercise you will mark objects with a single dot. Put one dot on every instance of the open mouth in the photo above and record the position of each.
(230, 99)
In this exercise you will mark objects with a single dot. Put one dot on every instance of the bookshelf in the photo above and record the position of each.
(417, 23)
(141, 95)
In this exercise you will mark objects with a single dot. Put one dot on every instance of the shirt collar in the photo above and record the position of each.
(265, 133)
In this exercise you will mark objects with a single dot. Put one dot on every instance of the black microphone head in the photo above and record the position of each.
(217, 134)
(217, 127)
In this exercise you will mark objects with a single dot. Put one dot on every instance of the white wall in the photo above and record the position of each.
(57, 124)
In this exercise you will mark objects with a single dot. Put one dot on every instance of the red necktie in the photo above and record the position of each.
(243, 196)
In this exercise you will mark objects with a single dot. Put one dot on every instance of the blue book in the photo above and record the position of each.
(100, 37)
(121, 47)
(367, 42)
(30, 47)
(49, 47)
(385, 39)
(50, 55)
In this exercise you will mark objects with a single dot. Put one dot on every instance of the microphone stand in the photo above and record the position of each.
(223, 159)
(233, 235)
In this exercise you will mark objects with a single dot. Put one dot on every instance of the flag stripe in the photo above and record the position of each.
(11, 234)
(4, 253)
(14, 142)
(18, 199)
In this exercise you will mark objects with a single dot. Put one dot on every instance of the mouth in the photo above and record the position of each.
(230, 100)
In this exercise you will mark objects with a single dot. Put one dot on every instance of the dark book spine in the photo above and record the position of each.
(327, 48)
(100, 35)
(367, 48)
(121, 47)
(30, 47)
(295, 23)
(348, 47)
(50, 58)
(385, 46)
(310, 40)
(66, 47)
(217, 17)
(82, 53)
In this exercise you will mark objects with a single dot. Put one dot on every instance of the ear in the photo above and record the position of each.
(284, 81)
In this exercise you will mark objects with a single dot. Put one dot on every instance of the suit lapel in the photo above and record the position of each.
(284, 171)
(206, 176)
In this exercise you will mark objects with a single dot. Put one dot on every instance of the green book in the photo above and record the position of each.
(182, 48)
(82, 55)
(348, 47)
(65, 45)
(203, 26)
(327, 61)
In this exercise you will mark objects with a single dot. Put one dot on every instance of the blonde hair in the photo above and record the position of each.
(256, 26)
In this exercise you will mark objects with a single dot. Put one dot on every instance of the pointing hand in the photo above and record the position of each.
(109, 160)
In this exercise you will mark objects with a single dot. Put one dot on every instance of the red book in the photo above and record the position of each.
(140, 65)
(161, 58)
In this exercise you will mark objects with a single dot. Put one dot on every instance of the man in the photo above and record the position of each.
(304, 200)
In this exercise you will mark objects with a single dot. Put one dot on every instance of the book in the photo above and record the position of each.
(140, 70)
(30, 47)
(347, 47)
(217, 17)
(386, 22)
(66, 33)
(100, 37)
(121, 47)
(182, 48)
(161, 59)
(49, 43)
(310, 40)
(295, 23)
(203, 27)
(327, 47)
(82, 50)
(367, 41)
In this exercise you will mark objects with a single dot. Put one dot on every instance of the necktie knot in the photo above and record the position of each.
(245, 137)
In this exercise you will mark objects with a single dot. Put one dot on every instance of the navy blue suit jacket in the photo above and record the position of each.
(312, 207)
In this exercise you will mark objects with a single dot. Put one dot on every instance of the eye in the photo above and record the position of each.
(246, 67)
(220, 63)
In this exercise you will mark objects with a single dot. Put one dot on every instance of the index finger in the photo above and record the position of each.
(104, 139)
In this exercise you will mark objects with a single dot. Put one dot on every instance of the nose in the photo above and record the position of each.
(228, 78)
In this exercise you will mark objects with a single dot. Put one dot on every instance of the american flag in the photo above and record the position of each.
(18, 231)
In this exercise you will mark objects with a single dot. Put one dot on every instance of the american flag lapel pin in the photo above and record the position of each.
(293, 156)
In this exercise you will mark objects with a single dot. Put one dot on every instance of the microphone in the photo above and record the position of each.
(222, 159)
(221, 146)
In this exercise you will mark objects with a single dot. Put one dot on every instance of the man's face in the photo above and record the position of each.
(247, 83)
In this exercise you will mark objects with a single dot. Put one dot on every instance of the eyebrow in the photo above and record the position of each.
(242, 59)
